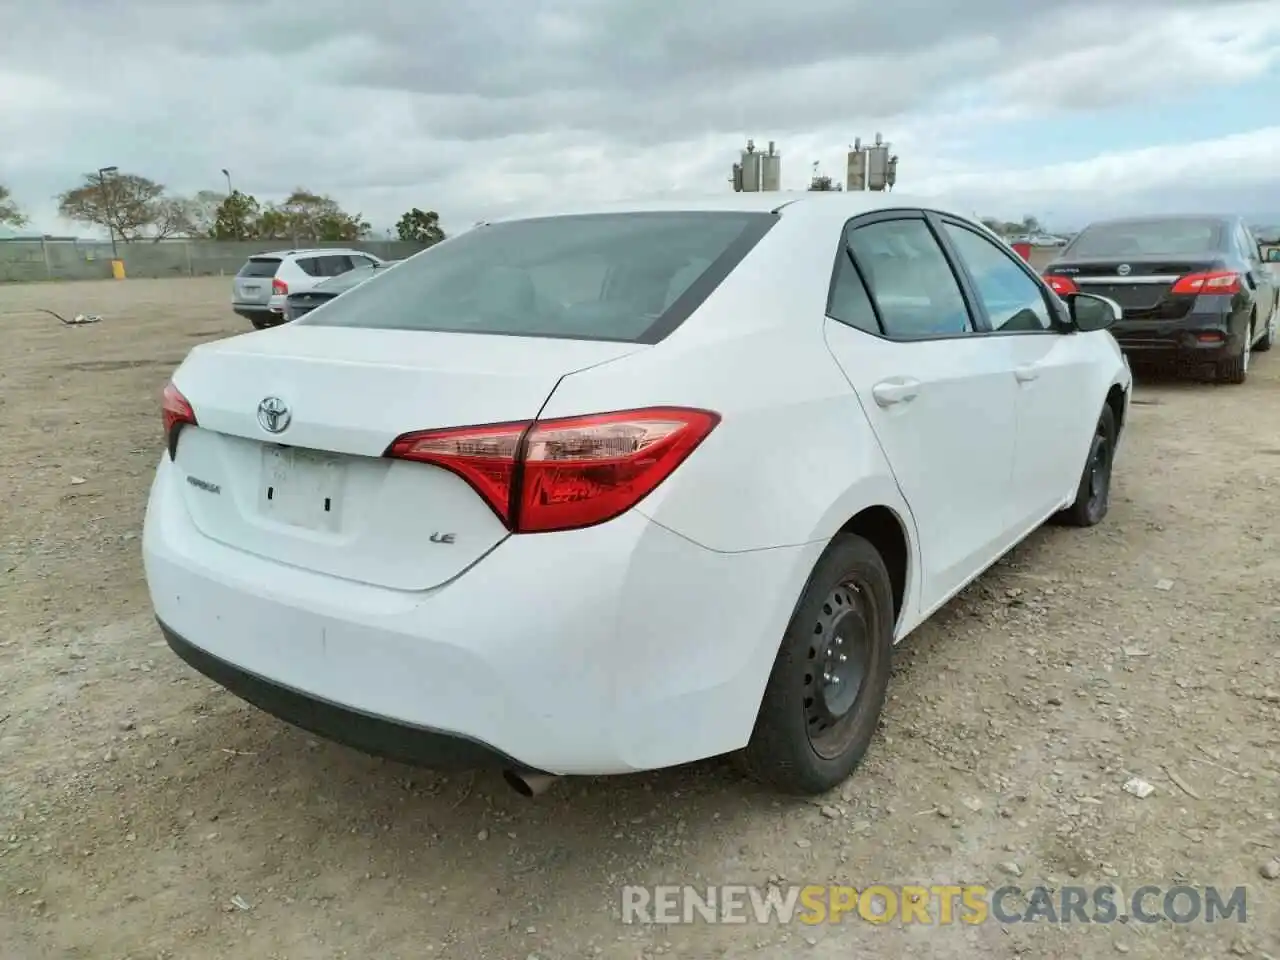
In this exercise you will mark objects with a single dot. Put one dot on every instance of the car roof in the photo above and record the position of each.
(1218, 218)
(850, 203)
(305, 252)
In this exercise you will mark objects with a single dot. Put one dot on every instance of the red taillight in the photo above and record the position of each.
(564, 474)
(279, 288)
(1216, 283)
(1062, 286)
(177, 413)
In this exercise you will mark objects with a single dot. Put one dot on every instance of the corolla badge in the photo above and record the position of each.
(1123, 269)
(274, 415)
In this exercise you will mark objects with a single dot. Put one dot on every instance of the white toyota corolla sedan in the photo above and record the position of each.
(626, 487)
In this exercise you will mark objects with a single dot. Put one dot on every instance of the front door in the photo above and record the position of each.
(941, 401)
(1051, 371)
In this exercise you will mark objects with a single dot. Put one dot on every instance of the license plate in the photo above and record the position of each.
(301, 488)
(247, 289)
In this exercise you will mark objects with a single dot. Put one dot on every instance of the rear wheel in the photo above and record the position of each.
(260, 324)
(1093, 495)
(1236, 369)
(827, 688)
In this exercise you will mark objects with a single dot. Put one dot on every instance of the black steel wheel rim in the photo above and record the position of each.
(839, 660)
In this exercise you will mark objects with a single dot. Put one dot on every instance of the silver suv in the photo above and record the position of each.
(266, 279)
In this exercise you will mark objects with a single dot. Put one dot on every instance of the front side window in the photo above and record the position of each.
(1012, 300)
(911, 281)
(594, 277)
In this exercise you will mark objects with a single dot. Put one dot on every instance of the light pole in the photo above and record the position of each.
(106, 204)
(227, 173)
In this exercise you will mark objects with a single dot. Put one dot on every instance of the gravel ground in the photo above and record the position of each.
(146, 814)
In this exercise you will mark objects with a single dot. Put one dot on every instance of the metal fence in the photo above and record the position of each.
(29, 260)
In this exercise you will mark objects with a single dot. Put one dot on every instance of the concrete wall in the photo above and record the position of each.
(26, 260)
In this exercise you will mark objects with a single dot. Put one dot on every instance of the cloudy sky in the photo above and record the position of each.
(1067, 109)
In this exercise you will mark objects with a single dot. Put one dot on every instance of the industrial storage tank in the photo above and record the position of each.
(750, 171)
(771, 170)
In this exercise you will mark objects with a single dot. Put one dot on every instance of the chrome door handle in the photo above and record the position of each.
(889, 392)
(1027, 374)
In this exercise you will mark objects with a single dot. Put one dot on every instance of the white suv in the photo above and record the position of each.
(266, 279)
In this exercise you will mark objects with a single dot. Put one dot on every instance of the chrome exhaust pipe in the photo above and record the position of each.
(527, 783)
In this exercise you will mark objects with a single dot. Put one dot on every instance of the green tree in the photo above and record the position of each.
(236, 218)
(10, 214)
(420, 226)
(316, 217)
(273, 224)
(126, 203)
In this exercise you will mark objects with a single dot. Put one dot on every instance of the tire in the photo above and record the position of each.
(846, 607)
(1236, 369)
(1093, 495)
(261, 324)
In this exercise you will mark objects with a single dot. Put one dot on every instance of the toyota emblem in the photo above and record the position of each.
(1123, 269)
(274, 415)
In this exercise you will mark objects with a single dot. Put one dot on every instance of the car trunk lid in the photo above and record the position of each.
(253, 282)
(1142, 285)
(319, 494)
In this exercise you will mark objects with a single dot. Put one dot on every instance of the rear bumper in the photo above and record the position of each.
(1196, 338)
(258, 313)
(618, 648)
(374, 735)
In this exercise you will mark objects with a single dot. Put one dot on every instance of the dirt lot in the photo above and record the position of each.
(146, 814)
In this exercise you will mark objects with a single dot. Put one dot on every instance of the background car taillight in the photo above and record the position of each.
(279, 288)
(564, 474)
(1217, 282)
(1061, 285)
(177, 413)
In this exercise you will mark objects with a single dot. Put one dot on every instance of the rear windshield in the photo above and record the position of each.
(627, 277)
(1154, 237)
(260, 267)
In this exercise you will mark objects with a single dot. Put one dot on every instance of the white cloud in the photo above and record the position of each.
(474, 111)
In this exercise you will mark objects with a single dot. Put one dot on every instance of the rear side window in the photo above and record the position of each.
(334, 264)
(1132, 238)
(626, 277)
(260, 267)
(914, 289)
(849, 302)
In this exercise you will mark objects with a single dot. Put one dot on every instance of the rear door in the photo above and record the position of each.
(252, 286)
(941, 399)
(1056, 403)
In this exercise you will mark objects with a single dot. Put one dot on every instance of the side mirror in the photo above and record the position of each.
(1091, 312)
